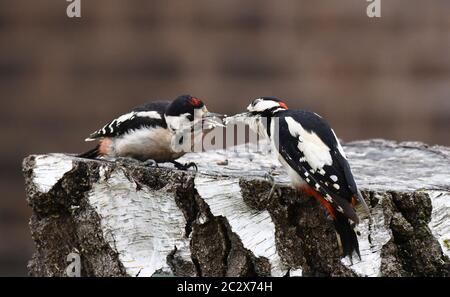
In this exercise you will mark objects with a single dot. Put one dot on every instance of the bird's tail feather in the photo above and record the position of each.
(91, 154)
(347, 235)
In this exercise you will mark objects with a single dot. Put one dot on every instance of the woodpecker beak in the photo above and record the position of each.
(213, 115)
(214, 119)
(238, 118)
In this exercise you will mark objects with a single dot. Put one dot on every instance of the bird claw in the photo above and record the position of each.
(275, 187)
(131, 161)
(185, 166)
(269, 177)
(127, 161)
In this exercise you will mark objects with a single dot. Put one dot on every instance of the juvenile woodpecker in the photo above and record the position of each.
(147, 132)
(315, 161)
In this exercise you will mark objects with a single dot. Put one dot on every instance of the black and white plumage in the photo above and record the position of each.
(147, 115)
(315, 160)
(147, 132)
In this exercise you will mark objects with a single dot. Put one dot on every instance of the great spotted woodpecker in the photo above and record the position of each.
(315, 161)
(147, 132)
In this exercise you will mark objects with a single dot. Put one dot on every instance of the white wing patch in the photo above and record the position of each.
(316, 152)
(123, 118)
(149, 114)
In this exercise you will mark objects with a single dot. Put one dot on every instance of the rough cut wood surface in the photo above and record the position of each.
(128, 219)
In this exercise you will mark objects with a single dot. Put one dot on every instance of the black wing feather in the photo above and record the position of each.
(116, 128)
(340, 167)
(288, 148)
(291, 154)
(345, 216)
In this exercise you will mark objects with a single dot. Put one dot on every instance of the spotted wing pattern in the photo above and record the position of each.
(148, 115)
(326, 170)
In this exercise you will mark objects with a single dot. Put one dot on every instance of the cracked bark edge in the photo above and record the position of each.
(62, 226)
(418, 251)
(80, 218)
(216, 250)
(220, 225)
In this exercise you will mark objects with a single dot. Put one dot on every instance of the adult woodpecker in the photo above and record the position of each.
(315, 160)
(147, 132)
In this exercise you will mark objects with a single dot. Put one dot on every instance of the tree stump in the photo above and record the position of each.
(131, 220)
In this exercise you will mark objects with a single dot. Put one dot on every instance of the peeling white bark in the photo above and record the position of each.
(440, 218)
(143, 225)
(49, 169)
(375, 228)
(296, 272)
(254, 228)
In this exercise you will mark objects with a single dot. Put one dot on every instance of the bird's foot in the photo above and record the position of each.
(135, 162)
(127, 161)
(275, 187)
(185, 166)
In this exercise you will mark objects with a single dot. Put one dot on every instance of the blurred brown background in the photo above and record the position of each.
(62, 78)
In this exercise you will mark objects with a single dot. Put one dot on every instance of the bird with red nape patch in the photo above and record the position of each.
(315, 161)
(146, 133)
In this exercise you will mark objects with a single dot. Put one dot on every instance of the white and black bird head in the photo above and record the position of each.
(185, 111)
(266, 106)
(259, 112)
(308, 148)
(148, 131)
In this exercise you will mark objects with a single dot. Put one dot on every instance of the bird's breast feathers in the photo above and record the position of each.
(146, 143)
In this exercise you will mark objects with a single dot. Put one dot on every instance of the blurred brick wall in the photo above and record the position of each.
(62, 78)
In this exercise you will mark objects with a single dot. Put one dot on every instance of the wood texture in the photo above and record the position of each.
(128, 219)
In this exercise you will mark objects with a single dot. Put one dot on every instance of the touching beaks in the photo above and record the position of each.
(208, 114)
(216, 119)
(237, 118)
